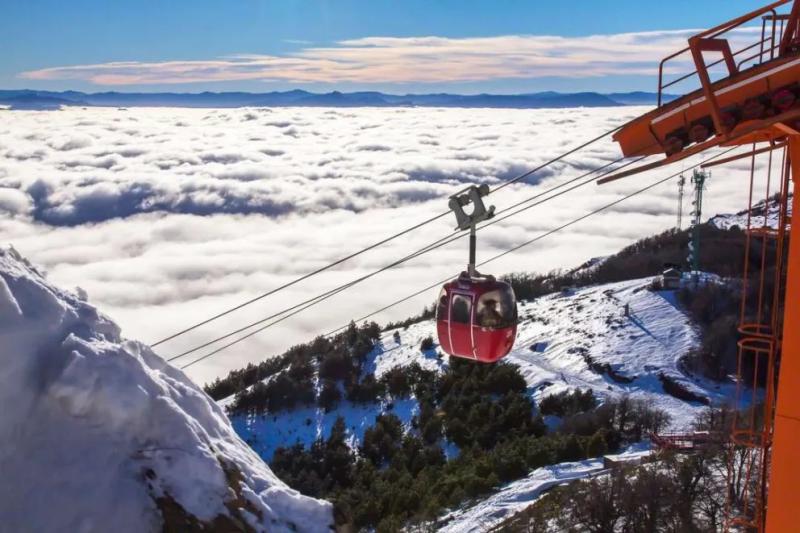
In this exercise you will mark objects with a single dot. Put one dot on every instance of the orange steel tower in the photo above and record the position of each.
(749, 96)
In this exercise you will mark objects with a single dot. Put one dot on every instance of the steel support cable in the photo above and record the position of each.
(325, 296)
(301, 278)
(375, 245)
(430, 247)
(546, 234)
(299, 308)
(555, 160)
(306, 303)
(438, 283)
(240, 339)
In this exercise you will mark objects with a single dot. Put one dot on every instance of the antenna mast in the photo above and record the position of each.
(698, 179)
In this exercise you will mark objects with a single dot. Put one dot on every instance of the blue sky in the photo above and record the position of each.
(177, 46)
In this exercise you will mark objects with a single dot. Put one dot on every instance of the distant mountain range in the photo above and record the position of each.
(29, 99)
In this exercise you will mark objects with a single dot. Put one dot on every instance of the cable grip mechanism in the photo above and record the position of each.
(471, 195)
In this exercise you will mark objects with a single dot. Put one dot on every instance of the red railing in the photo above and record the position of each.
(772, 30)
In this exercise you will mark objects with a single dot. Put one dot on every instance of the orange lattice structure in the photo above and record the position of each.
(755, 101)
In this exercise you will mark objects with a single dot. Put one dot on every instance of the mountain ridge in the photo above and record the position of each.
(34, 99)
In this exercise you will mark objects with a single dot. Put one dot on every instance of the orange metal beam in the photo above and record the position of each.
(738, 136)
(736, 157)
(698, 45)
(790, 36)
(716, 30)
(783, 497)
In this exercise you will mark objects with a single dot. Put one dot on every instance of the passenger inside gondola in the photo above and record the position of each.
(461, 309)
(489, 316)
(496, 309)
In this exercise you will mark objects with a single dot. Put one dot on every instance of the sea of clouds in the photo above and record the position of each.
(167, 216)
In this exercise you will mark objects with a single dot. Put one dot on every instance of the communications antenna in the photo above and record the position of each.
(699, 178)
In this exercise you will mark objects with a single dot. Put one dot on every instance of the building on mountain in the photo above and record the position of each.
(671, 278)
(621, 461)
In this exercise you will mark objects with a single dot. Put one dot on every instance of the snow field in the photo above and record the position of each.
(555, 335)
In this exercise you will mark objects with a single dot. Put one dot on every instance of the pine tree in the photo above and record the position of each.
(596, 445)
(572, 449)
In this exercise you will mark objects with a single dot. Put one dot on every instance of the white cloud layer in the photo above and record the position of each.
(167, 216)
(412, 60)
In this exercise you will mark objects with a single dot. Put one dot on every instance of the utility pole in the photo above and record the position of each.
(681, 184)
(698, 179)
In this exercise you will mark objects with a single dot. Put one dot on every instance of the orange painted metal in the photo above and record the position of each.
(751, 437)
(759, 103)
(772, 129)
(647, 135)
(791, 36)
(698, 45)
(744, 95)
(736, 157)
(762, 297)
(784, 481)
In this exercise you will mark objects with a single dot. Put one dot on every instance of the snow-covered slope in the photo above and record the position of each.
(574, 339)
(100, 434)
(762, 214)
(517, 495)
(266, 433)
(562, 334)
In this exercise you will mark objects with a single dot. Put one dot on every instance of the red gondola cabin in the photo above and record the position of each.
(476, 318)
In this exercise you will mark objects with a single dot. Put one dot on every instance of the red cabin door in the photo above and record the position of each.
(460, 322)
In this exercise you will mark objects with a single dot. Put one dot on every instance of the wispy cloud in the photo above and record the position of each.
(404, 60)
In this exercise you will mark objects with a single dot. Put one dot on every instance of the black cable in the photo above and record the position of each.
(542, 236)
(295, 310)
(325, 296)
(560, 157)
(240, 339)
(430, 247)
(375, 245)
(560, 193)
(311, 301)
(301, 278)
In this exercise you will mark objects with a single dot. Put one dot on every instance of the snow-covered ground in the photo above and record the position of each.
(266, 433)
(558, 334)
(517, 495)
(762, 215)
(95, 429)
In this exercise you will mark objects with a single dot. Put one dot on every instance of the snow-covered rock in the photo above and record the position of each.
(100, 434)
